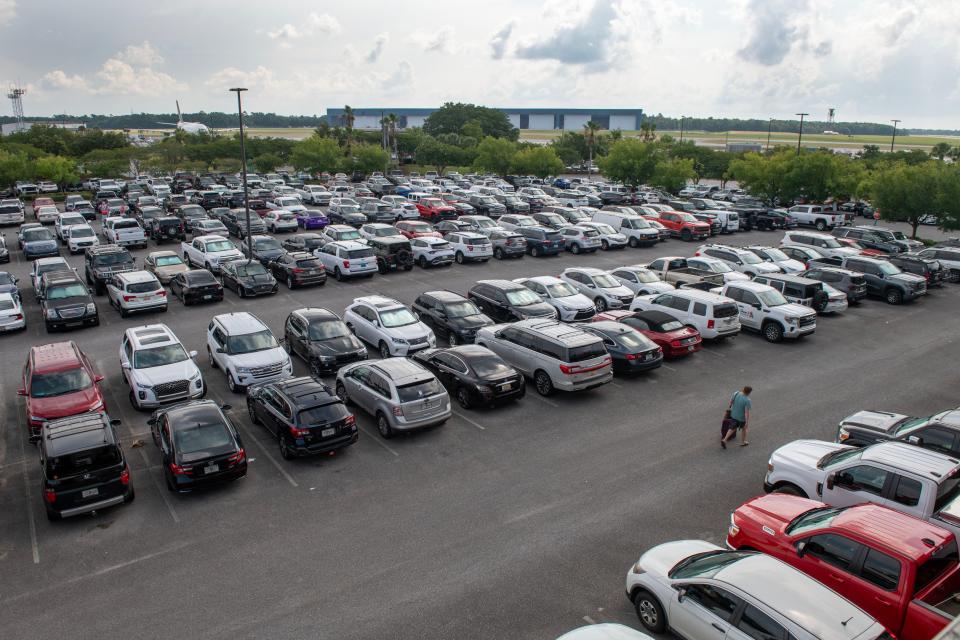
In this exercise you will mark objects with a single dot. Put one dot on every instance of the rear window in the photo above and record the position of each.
(142, 287)
(944, 559)
(419, 390)
(83, 461)
(725, 310)
(586, 352)
(309, 263)
(360, 253)
(476, 241)
(323, 414)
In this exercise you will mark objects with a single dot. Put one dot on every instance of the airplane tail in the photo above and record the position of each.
(179, 115)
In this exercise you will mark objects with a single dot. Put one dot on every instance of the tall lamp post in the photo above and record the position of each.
(769, 129)
(800, 137)
(894, 137)
(243, 172)
(681, 128)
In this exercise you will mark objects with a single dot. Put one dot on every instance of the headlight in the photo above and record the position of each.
(733, 529)
(51, 313)
(36, 419)
(195, 375)
(484, 389)
(399, 340)
(147, 387)
(243, 369)
(637, 568)
(91, 307)
(97, 406)
(791, 320)
(843, 435)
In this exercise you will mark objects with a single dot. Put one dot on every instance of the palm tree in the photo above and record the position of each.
(590, 130)
(940, 150)
(392, 122)
(647, 130)
(348, 120)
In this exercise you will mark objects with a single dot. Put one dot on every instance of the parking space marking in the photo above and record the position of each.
(276, 464)
(616, 385)
(589, 620)
(544, 400)
(377, 440)
(713, 353)
(34, 545)
(466, 419)
(667, 367)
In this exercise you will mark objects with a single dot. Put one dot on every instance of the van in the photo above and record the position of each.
(713, 315)
(638, 230)
(556, 356)
(729, 220)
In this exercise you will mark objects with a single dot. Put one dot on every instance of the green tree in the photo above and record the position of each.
(537, 161)
(906, 193)
(13, 167)
(369, 158)
(440, 155)
(57, 169)
(472, 129)
(267, 162)
(630, 161)
(765, 176)
(648, 130)
(940, 150)
(451, 118)
(316, 154)
(495, 154)
(590, 131)
(672, 174)
(348, 120)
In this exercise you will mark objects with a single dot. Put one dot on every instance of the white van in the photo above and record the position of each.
(729, 220)
(713, 315)
(639, 232)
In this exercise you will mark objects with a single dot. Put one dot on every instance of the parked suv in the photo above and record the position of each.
(742, 260)
(347, 259)
(580, 239)
(713, 315)
(640, 280)
(388, 325)
(393, 252)
(939, 432)
(450, 315)
(321, 339)
(82, 465)
(887, 281)
(797, 289)
(541, 241)
(571, 305)
(134, 291)
(157, 368)
(848, 282)
(65, 301)
(244, 347)
(103, 262)
(764, 309)
(470, 247)
(486, 205)
(556, 356)
(825, 244)
(948, 257)
(927, 268)
(400, 394)
(604, 290)
(506, 301)
(507, 244)
(871, 238)
(58, 380)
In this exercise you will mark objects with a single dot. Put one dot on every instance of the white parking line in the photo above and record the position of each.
(378, 440)
(466, 419)
(269, 457)
(589, 620)
(26, 491)
(616, 385)
(544, 400)
(667, 367)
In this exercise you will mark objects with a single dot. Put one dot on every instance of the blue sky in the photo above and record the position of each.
(872, 60)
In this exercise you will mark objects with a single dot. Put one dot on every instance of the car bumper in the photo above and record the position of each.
(333, 365)
(13, 325)
(408, 349)
(576, 315)
(152, 306)
(794, 331)
(544, 251)
(681, 351)
(91, 506)
(202, 297)
(622, 365)
(399, 423)
(836, 307)
(359, 273)
(67, 323)
(193, 394)
(585, 383)
(246, 379)
(183, 483)
(32, 255)
(311, 279)
(477, 257)
(324, 446)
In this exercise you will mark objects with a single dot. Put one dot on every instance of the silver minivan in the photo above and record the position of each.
(399, 393)
(554, 355)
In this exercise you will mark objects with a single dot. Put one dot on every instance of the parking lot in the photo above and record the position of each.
(516, 522)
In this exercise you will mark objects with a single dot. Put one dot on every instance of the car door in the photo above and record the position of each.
(750, 307)
(219, 342)
(855, 484)
(752, 623)
(296, 335)
(832, 559)
(936, 438)
(363, 325)
(126, 360)
(702, 611)
(356, 383)
(445, 366)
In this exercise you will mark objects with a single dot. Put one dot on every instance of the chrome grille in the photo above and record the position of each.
(585, 314)
(72, 312)
(175, 388)
(422, 340)
(267, 370)
(807, 321)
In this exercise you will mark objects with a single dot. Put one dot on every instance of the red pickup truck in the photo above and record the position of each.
(435, 210)
(903, 571)
(682, 225)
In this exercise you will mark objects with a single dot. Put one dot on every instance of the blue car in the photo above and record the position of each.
(38, 242)
(312, 219)
(562, 183)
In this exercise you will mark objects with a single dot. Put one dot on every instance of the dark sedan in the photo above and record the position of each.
(304, 416)
(198, 444)
(631, 351)
(474, 375)
(298, 269)
(348, 214)
(247, 278)
(196, 285)
(308, 242)
(322, 339)
(450, 315)
(265, 249)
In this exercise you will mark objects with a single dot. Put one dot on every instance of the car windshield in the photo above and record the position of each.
(37, 235)
(908, 424)
(58, 383)
(605, 281)
(200, 277)
(560, 290)
(947, 503)
(889, 269)
(250, 342)
(6, 278)
(384, 232)
(484, 223)
(899, 235)
(72, 290)
(604, 229)
(687, 217)
(813, 519)
(771, 298)
(249, 269)
(490, 366)
(81, 232)
(551, 219)
(522, 297)
(751, 258)
(198, 440)
(159, 356)
(705, 565)
(266, 244)
(461, 309)
(717, 267)
(776, 255)
(646, 276)
(632, 340)
(831, 243)
(219, 245)
(400, 317)
(351, 234)
(166, 261)
(323, 414)
(836, 457)
(419, 390)
(327, 330)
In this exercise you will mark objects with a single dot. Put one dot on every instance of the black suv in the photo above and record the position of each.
(392, 253)
(65, 301)
(322, 339)
(166, 228)
(83, 466)
(506, 301)
(881, 240)
(190, 212)
(927, 268)
(303, 414)
(101, 263)
(849, 282)
(450, 315)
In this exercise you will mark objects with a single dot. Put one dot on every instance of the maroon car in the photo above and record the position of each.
(670, 334)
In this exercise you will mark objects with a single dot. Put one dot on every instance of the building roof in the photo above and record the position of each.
(425, 111)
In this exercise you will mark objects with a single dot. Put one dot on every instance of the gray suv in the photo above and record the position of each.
(556, 356)
(886, 280)
(398, 392)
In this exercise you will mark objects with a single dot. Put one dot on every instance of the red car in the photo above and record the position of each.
(435, 209)
(41, 202)
(903, 571)
(675, 339)
(682, 225)
(853, 244)
(415, 229)
(59, 381)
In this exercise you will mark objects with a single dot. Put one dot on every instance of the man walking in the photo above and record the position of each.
(739, 417)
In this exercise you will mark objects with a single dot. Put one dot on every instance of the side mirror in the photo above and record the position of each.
(99, 378)
(917, 440)
(21, 392)
(192, 354)
(226, 407)
(831, 480)
(221, 350)
(681, 594)
(801, 548)
(152, 421)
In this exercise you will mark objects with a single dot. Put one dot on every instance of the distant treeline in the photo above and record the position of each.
(669, 123)
(150, 120)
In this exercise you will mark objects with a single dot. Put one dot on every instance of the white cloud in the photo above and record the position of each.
(8, 11)
(774, 29)
(316, 23)
(58, 79)
(378, 44)
(129, 72)
(143, 55)
(441, 40)
(500, 40)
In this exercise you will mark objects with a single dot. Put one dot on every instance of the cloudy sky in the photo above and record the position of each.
(871, 59)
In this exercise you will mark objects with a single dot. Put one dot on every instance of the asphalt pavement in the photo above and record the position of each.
(517, 522)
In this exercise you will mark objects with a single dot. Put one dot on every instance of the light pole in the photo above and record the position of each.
(243, 172)
(800, 137)
(769, 128)
(894, 137)
(681, 128)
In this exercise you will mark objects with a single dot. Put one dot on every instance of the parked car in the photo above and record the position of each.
(157, 368)
(308, 242)
(198, 444)
(505, 301)
(450, 315)
(604, 290)
(378, 230)
(640, 280)
(825, 244)
(682, 225)
(431, 252)
(246, 350)
(712, 315)
(322, 340)
(65, 301)
(136, 291)
(298, 269)
(884, 280)
(631, 351)
(416, 229)
(850, 283)
(347, 259)
(209, 252)
(164, 265)
(311, 219)
(81, 237)
(927, 268)
(706, 264)
(280, 221)
(58, 381)
(948, 257)
(937, 432)
(388, 325)
(817, 216)
(37, 242)
(674, 339)
(473, 375)
(392, 253)
(162, 229)
(571, 305)
(248, 278)
(196, 285)
(764, 309)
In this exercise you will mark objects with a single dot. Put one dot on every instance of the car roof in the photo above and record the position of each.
(350, 244)
(443, 295)
(240, 322)
(55, 356)
(401, 370)
(750, 285)
(502, 284)
(193, 412)
(151, 335)
(812, 234)
(655, 316)
(905, 534)
(316, 313)
(703, 296)
(789, 277)
(378, 302)
(135, 276)
(306, 391)
(590, 271)
(79, 432)
(544, 279)
(570, 336)
(923, 462)
(163, 253)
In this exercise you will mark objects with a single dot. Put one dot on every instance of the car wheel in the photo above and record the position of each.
(213, 363)
(285, 451)
(498, 253)
(534, 252)
(821, 225)
(452, 338)
(342, 393)
(251, 412)
(790, 490)
(893, 296)
(650, 612)
(773, 332)
(170, 484)
(463, 397)
(423, 262)
(459, 258)
(289, 282)
(337, 274)
(686, 235)
(232, 385)
(820, 301)
(604, 245)
(543, 383)
(750, 275)
(383, 426)
(575, 248)
(633, 243)
(241, 291)
(384, 350)
(133, 401)
(600, 305)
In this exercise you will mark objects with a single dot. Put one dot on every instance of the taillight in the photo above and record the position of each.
(710, 324)
(180, 470)
(162, 293)
(346, 264)
(297, 432)
(350, 421)
(19, 316)
(297, 270)
(398, 411)
(129, 298)
(239, 456)
(674, 343)
(125, 476)
(50, 495)
(697, 253)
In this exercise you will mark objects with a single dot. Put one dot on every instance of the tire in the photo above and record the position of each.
(534, 252)
(498, 253)
(750, 275)
(575, 249)
(452, 338)
(208, 267)
(650, 612)
(384, 350)
(233, 386)
(820, 225)
(423, 262)
(893, 296)
(686, 235)
(289, 281)
(600, 305)
(633, 243)
(820, 301)
(213, 363)
(383, 426)
(604, 245)
(284, 445)
(790, 490)
(459, 257)
(337, 274)
(342, 393)
(53, 516)
(133, 401)
(463, 397)
(241, 291)
(773, 332)
(251, 413)
(543, 383)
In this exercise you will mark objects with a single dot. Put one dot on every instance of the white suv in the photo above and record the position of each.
(764, 309)
(570, 305)
(470, 247)
(65, 220)
(347, 259)
(606, 291)
(244, 347)
(157, 368)
(742, 260)
(80, 237)
(431, 252)
(131, 291)
(823, 243)
(388, 325)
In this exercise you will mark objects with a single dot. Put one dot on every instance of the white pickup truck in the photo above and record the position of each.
(815, 215)
(208, 252)
(124, 232)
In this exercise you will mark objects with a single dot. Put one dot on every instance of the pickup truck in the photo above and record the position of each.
(674, 269)
(124, 232)
(681, 224)
(814, 215)
(208, 252)
(899, 569)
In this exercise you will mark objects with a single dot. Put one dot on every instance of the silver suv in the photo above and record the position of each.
(741, 260)
(399, 393)
(554, 355)
(388, 325)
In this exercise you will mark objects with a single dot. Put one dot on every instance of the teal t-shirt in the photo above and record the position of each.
(741, 404)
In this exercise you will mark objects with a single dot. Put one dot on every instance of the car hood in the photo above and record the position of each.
(663, 557)
(65, 405)
(907, 278)
(260, 358)
(536, 310)
(269, 254)
(805, 453)
(39, 244)
(333, 346)
(735, 276)
(410, 331)
(791, 266)
(620, 292)
(471, 322)
(878, 421)
(262, 278)
(768, 267)
(171, 270)
(576, 301)
(775, 510)
(794, 310)
(185, 370)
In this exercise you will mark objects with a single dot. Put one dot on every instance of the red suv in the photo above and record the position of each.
(901, 570)
(435, 210)
(58, 381)
(682, 225)
(411, 229)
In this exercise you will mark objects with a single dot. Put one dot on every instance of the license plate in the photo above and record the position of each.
(89, 493)
(506, 387)
(690, 348)
(211, 468)
(326, 433)
(363, 265)
(208, 296)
